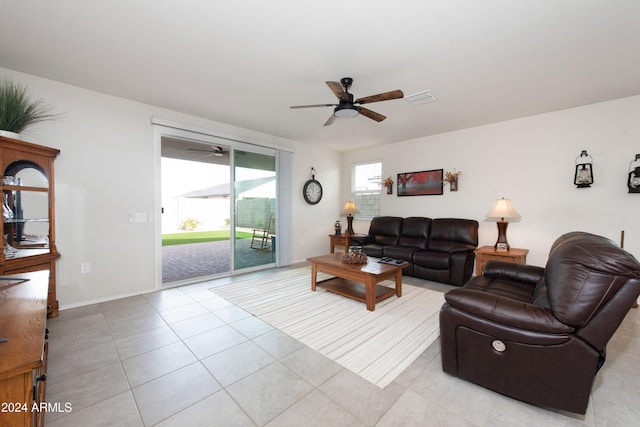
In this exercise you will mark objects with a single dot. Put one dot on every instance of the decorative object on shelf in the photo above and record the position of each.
(425, 183)
(452, 179)
(338, 227)
(7, 212)
(348, 211)
(355, 258)
(18, 111)
(584, 170)
(9, 251)
(312, 190)
(633, 181)
(500, 212)
(388, 183)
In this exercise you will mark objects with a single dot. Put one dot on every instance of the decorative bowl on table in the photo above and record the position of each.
(355, 257)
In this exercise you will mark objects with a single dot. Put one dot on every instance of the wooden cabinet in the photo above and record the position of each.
(28, 214)
(486, 253)
(24, 348)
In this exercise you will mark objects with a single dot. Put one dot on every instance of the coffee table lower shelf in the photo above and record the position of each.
(354, 290)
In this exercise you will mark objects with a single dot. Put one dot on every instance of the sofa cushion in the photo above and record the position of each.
(373, 250)
(415, 232)
(502, 286)
(400, 252)
(453, 233)
(432, 259)
(385, 230)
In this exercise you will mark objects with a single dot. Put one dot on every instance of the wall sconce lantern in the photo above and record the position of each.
(633, 181)
(584, 170)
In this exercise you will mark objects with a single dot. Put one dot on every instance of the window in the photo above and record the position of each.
(366, 189)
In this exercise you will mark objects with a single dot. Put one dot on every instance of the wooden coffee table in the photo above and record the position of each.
(357, 281)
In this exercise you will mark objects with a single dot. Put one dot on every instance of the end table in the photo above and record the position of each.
(487, 253)
(341, 240)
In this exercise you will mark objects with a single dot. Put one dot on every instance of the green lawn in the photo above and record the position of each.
(200, 237)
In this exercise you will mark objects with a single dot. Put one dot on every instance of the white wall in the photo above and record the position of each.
(313, 224)
(107, 168)
(532, 162)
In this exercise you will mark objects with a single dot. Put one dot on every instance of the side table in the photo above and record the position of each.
(487, 253)
(341, 240)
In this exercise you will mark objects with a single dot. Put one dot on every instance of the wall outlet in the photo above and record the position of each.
(85, 268)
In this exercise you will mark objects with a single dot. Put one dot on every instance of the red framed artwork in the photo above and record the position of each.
(425, 183)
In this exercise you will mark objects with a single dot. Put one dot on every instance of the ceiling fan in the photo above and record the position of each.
(213, 151)
(347, 107)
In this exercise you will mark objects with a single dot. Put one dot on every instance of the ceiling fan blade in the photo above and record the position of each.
(372, 114)
(330, 120)
(338, 91)
(313, 106)
(394, 94)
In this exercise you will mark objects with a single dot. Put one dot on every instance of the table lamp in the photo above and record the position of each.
(501, 211)
(349, 209)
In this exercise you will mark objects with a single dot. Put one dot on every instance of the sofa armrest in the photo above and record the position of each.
(450, 246)
(461, 247)
(529, 274)
(506, 311)
(362, 240)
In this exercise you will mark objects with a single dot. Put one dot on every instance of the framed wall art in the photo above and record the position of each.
(425, 183)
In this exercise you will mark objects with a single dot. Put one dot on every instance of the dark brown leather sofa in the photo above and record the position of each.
(540, 334)
(439, 249)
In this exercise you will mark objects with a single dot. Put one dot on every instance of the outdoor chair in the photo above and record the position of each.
(262, 236)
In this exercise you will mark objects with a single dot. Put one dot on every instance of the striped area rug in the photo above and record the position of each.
(376, 345)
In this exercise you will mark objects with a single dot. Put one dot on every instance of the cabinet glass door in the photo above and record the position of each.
(25, 211)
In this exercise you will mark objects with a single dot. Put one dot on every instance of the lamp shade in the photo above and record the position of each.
(502, 209)
(350, 208)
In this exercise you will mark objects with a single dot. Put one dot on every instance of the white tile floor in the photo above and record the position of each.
(185, 357)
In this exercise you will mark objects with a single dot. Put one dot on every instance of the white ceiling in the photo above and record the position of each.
(245, 62)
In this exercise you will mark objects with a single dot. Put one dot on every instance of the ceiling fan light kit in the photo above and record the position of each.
(345, 111)
(347, 108)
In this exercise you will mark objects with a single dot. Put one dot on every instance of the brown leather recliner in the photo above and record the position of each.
(540, 334)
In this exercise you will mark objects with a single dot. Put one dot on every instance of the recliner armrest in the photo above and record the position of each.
(529, 274)
(506, 311)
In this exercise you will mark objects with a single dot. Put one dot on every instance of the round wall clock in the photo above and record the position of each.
(312, 190)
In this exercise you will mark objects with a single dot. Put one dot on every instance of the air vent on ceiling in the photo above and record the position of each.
(421, 98)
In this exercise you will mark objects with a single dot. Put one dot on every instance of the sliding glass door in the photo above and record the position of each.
(219, 204)
(254, 209)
